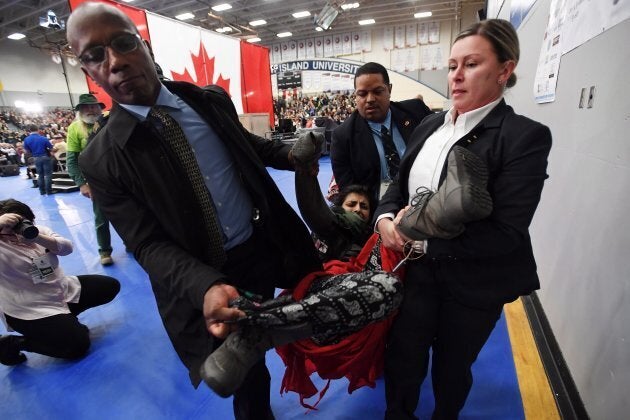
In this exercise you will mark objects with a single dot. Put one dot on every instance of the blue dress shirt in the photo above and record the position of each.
(232, 203)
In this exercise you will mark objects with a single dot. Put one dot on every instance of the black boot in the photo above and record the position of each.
(10, 346)
(227, 367)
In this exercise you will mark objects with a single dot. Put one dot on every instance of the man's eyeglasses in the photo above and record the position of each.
(122, 44)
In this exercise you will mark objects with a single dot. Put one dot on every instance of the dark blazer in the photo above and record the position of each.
(353, 154)
(143, 191)
(492, 261)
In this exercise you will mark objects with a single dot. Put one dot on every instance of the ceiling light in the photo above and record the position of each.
(224, 29)
(185, 16)
(127, 1)
(350, 6)
(16, 36)
(221, 7)
(258, 22)
(284, 34)
(422, 15)
(319, 29)
(256, 39)
(298, 15)
(367, 22)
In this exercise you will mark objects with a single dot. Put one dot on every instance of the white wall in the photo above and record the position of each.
(29, 74)
(581, 232)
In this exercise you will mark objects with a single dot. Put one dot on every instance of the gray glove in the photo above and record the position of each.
(307, 148)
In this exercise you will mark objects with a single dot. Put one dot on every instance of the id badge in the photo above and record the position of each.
(41, 268)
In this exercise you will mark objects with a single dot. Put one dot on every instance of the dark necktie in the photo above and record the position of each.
(175, 138)
(391, 154)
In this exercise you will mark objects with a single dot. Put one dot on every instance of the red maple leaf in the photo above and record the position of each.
(204, 71)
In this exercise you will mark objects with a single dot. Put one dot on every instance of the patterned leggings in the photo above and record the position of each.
(334, 306)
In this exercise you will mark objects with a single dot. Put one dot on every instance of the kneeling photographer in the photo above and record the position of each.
(37, 298)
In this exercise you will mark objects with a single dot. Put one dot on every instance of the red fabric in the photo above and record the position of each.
(256, 80)
(358, 357)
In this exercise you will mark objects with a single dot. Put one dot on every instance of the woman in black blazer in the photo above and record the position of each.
(454, 294)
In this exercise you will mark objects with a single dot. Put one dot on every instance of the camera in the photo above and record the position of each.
(26, 229)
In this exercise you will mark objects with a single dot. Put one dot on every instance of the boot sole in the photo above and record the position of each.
(472, 198)
(471, 168)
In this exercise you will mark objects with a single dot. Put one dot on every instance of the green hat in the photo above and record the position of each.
(88, 99)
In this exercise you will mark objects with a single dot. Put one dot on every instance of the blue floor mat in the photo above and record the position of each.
(132, 371)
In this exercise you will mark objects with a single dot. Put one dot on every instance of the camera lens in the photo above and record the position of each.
(26, 229)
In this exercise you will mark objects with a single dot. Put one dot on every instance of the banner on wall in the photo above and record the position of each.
(277, 54)
(292, 51)
(399, 36)
(388, 38)
(347, 43)
(423, 33)
(357, 45)
(337, 45)
(319, 47)
(411, 35)
(202, 57)
(366, 41)
(301, 49)
(328, 46)
(316, 65)
(434, 32)
(310, 48)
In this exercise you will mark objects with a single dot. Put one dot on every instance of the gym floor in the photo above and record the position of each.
(133, 372)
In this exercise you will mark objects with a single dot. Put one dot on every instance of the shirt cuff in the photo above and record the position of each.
(383, 216)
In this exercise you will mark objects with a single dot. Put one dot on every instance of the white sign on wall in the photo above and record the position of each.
(411, 35)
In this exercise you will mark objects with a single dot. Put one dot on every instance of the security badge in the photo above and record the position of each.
(41, 268)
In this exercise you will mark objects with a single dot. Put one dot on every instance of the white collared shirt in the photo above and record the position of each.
(427, 167)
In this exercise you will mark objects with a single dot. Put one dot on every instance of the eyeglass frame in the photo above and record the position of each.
(138, 42)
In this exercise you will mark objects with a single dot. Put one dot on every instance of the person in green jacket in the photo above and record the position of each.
(89, 111)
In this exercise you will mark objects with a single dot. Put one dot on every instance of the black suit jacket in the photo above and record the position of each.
(492, 261)
(144, 192)
(353, 154)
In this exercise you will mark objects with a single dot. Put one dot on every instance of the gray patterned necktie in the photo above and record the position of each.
(175, 138)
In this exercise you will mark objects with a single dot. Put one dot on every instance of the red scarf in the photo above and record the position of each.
(359, 357)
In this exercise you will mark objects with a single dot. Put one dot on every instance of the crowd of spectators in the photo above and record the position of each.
(304, 111)
(13, 129)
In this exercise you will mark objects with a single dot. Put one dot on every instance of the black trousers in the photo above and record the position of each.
(63, 335)
(430, 318)
(254, 266)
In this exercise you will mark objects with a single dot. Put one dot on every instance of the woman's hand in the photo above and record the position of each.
(8, 222)
(390, 236)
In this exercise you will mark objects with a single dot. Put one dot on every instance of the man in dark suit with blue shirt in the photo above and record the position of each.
(185, 186)
(366, 149)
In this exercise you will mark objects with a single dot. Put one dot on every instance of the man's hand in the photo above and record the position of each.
(216, 309)
(85, 191)
(306, 151)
